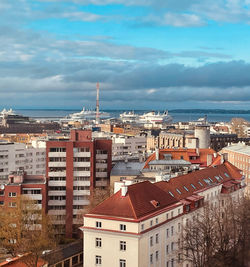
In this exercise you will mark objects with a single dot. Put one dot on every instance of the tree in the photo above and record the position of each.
(219, 235)
(238, 126)
(26, 229)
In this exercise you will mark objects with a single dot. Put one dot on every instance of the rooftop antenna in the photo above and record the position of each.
(97, 104)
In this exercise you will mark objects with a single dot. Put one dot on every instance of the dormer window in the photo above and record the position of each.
(188, 208)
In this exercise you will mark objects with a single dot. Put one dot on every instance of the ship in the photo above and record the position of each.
(148, 117)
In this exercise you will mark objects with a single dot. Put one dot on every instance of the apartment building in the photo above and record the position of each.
(18, 156)
(141, 224)
(19, 183)
(239, 155)
(74, 168)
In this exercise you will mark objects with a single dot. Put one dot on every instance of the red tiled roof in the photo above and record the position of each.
(136, 203)
(227, 171)
(185, 154)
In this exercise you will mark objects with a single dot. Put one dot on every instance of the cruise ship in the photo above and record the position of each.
(149, 117)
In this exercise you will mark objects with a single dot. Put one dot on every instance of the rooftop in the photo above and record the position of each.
(239, 148)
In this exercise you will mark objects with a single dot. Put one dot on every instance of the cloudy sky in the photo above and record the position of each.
(146, 54)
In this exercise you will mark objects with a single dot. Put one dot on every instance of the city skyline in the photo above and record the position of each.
(145, 54)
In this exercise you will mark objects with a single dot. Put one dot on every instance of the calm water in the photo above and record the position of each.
(57, 114)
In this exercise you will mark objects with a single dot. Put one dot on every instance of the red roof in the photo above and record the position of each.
(137, 203)
(186, 185)
(181, 153)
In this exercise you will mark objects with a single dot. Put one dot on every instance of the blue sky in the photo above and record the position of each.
(146, 54)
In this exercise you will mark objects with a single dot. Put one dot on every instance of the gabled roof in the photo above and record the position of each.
(186, 185)
(137, 203)
(181, 153)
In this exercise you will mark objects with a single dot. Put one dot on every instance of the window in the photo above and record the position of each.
(156, 220)
(172, 230)
(98, 260)
(98, 242)
(151, 223)
(157, 238)
(151, 258)
(179, 211)
(122, 263)
(123, 245)
(123, 227)
(142, 227)
(178, 191)
(185, 188)
(98, 224)
(167, 249)
(179, 227)
(172, 262)
(171, 193)
(151, 241)
(1, 203)
(12, 204)
(172, 246)
(167, 216)
(172, 214)
(12, 194)
(167, 233)
(157, 255)
(193, 186)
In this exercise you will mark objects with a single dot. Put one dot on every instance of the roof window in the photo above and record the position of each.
(193, 186)
(185, 188)
(226, 174)
(178, 191)
(200, 183)
(155, 203)
(171, 193)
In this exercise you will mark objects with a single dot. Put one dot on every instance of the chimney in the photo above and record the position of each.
(209, 159)
(117, 186)
(124, 190)
(157, 153)
(197, 151)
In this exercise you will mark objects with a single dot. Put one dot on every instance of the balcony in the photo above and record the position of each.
(101, 156)
(57, 193)
(34, 196)
(82, 154)
(101, 165)
(81, 192)
(57, 164)
(57, 154)
(57, 202)
(56, 183)
(57, 174)
(101, 174)
(84, 202)
(102, 183)
(81, 183)
(82, 164)
(57, 212)
(82, 173)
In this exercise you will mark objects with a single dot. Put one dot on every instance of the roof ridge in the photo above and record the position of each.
(131, 204)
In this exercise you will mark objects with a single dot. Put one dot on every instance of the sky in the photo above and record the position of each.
(146, 54)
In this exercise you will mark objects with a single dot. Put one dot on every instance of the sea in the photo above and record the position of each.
(187, 115)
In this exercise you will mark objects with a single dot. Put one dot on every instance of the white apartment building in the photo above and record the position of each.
(141, 224)
(18, 156)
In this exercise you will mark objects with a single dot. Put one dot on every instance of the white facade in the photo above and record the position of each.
(17, 156)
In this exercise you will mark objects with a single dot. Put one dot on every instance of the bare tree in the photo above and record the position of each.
(238, 125)
(26, 229)
(219, 235)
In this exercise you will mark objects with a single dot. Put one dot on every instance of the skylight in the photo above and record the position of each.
(193, 186)
(217, 178)
(226, 174)
(200, 183)
(171, 193)
(178, 191)
(210, 179)
(207, 181)
(185, 188)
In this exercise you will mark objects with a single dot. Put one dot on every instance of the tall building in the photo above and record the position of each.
(141, 224)
(74, 168)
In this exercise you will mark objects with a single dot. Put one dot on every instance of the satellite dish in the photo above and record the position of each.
(2, 187)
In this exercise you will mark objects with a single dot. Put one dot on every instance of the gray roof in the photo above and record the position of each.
(169, 162)
(63, 253)
(239, 148)
(127, 168)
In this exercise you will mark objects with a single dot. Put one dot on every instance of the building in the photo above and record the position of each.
(218, 141)
(19, 183)
(239, 155)
(17, 156)
(74, 168)
(141, 224)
